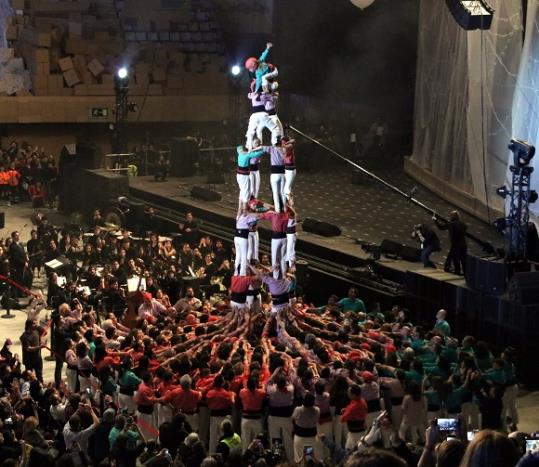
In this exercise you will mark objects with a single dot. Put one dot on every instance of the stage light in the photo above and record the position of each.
(532, 196)
(471, 14)
(362, 3)
(502, 192)
(122, 73)
(235, 70)
(523, 152)
(500, 224)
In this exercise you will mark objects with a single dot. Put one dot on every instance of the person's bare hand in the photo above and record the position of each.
(269, 45)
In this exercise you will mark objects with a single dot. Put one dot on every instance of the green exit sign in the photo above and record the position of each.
(99, 112)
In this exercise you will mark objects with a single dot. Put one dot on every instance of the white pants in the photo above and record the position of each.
(340, 430)
(300, 442)
(250, 428)
(278, 255)
(71, 379)
(244, 186)
(273, 124)
(126, 402)
(241, 260)
(215, 433)
(327, 430)
(252, 246)
(352, 439)
(470, 416)
(147, 425)
(510, 403)
(289, 176)
(281, 427)
(416, 427)
(84, 383)
(254, 302)
(203, 424)
(268, 76)
(193, 421)
(256, 120)
(277, 185)
(291, 249)
(164, 414)
(254, 179)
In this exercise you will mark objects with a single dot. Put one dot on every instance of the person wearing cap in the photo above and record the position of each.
(150, 308)
(261, 70)
(185, 399)
(370, 391)
(354, 415)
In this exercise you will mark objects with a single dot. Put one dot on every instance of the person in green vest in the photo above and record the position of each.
(441, 325)
(496, 374)
(230, 443)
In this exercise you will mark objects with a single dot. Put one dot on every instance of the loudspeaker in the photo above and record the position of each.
(183, 157)
(302, 272)
(486, 274)
(98, 188)
(135, 215)
(471, 17)
(524, 288)
(320, 228)
(391, 248)
(88, 156)
(2, 220)
(205, 194)
(410, 253)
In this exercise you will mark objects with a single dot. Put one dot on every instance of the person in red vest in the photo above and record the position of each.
(354, 415)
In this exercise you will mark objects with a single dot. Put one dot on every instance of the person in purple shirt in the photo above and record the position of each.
(277, 154)
(271, 121)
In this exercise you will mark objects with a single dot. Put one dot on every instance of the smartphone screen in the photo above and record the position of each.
(532, 444)
(308, 450)
(447, 425)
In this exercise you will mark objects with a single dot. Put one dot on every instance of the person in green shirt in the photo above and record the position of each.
(496, 374)
(125, 425)
(441, 324)
(352, 303)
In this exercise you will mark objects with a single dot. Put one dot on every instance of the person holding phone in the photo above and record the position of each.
(305, 420)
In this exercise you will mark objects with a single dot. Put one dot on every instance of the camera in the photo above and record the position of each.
(8, 421)
(447, 425)
(308, 451)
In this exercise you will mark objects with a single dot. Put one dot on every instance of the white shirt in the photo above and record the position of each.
(80, 437)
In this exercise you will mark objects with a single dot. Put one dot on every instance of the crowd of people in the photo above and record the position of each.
(186, 351)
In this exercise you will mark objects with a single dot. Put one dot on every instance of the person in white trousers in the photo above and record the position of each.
(289, 166)
(254, 172)
(244, 221)
(279, 224)
(271, 120)
(277, 154)
(257, 119)
(291, 235)
(243, 174)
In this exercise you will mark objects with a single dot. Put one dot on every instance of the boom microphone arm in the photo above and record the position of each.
(487, 246)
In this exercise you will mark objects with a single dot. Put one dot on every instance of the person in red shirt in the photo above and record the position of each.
(185, 400)
(146, 415)
(220, 402)
(252, 402)
(354, 415)
(203, 384)
(164, 410)
(279, 224)
(238, 291)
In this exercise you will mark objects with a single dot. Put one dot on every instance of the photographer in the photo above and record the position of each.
(457, 237)
(429, 243)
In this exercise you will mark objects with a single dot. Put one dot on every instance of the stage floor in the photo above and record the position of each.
(367, 212)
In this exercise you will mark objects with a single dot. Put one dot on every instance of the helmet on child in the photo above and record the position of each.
(251, 63)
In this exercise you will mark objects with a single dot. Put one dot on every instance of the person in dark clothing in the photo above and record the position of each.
(490, 401)
(18, 259)
(429, 243)
(457, 238)
(172, 434)
(190, 230)
(98, 444)
(31, 349)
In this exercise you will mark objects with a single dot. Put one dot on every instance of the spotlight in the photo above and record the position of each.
(500, 224)
(502, 192)
(523, 152)
(532, 196)
(235, 70)
(132, 107)
(122, 73)
(471, 14)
